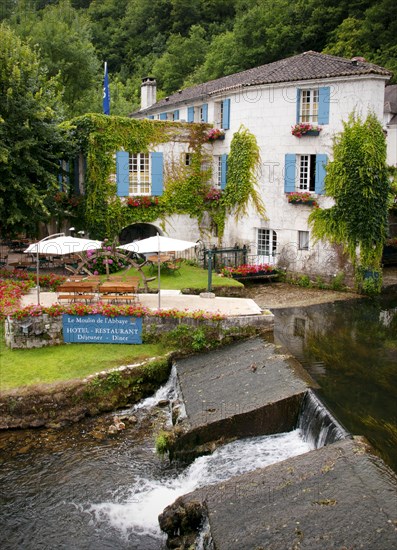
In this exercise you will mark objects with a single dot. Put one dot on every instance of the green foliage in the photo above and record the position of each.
(182, 57)
(30, 139)
(164, 442)
(304, 281)
(358, 181)
(241, 187)
(338, 281)
(63, 35)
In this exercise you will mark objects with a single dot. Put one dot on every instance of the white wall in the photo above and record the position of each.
(269, 112)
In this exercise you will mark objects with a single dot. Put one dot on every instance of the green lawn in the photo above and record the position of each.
(187, 277)
(44, 365)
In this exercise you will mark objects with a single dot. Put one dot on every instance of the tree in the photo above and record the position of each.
(357, 179)
(183, 55)
(63, 36)
(30, 141)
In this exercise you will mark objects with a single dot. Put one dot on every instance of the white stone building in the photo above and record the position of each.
(269, 100)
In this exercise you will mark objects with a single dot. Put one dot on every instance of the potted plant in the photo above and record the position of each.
(305, 129)
(302, 198)
(214, 134)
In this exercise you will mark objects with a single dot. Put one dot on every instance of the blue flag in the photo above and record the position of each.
(106, 92)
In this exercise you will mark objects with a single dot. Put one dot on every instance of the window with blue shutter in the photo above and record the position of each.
(321, 163)
(163, 116)
(157, 173)
(190, 114)
(289, 173)
(324, 95)
(176, 114)
(298, 104)
(204, 113)
(151, 117)
(223, 170)
(225, 123)
(122, 173)
(312, 105)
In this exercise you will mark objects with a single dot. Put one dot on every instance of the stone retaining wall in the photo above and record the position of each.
(41, 331)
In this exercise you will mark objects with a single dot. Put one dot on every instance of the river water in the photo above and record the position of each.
(78, 488)
(350, 349)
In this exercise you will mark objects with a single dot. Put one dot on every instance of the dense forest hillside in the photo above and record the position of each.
(184, 42)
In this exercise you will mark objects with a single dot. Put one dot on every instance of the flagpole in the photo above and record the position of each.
(106, 92)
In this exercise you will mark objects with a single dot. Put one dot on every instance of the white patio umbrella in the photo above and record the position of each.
(157, 245)
(62, 245)
(59, 244)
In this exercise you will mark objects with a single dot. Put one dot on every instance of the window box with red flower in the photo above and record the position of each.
(215, 134)
(305, 129)
(304, 198)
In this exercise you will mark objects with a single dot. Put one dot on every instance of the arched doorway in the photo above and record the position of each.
(138, 231)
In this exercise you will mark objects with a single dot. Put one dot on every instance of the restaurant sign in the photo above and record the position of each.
(99, 329)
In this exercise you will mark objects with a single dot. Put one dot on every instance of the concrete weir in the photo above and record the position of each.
(337, 496)
(240, 390)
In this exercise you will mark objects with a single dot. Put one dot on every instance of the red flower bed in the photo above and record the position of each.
(246, 269)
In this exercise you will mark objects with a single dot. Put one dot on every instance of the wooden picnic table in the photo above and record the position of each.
(119, 291)
(77, 290)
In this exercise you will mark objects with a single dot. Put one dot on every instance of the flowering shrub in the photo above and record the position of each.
(302, 198)
(145, 202)
(10, 295)
(303, 128)
(214, 134)
(110, 310)
(247, 269)
(214, 194)
(49, 281)
(107, 256)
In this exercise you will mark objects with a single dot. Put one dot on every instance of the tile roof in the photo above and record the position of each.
(306, 66)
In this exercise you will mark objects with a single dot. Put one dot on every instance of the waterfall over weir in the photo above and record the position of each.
(318, 426)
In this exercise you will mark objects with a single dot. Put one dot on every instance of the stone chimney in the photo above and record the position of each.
(148, 92)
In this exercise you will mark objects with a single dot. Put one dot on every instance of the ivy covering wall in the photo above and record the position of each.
(357, 179)
(187, 188)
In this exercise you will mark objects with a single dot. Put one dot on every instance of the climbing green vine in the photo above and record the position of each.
(357, 179)
(187, 187)
(98, 137)
(241, 188)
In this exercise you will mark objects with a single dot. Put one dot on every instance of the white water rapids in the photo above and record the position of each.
(138, 510)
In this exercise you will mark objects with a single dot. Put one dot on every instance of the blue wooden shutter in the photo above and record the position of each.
(176, 114)
(190, 114)
(226, 115)
(151, 117)
(204, 109)
(298, 104)
(76, 175)
(289, 173)
(323, 104)
(60, 179)
(122, 173)
(163, 116)
(223, 170)
(157, 173)
(321, 162)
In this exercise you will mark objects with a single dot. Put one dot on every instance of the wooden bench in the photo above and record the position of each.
(118, 298)
(76, 297)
